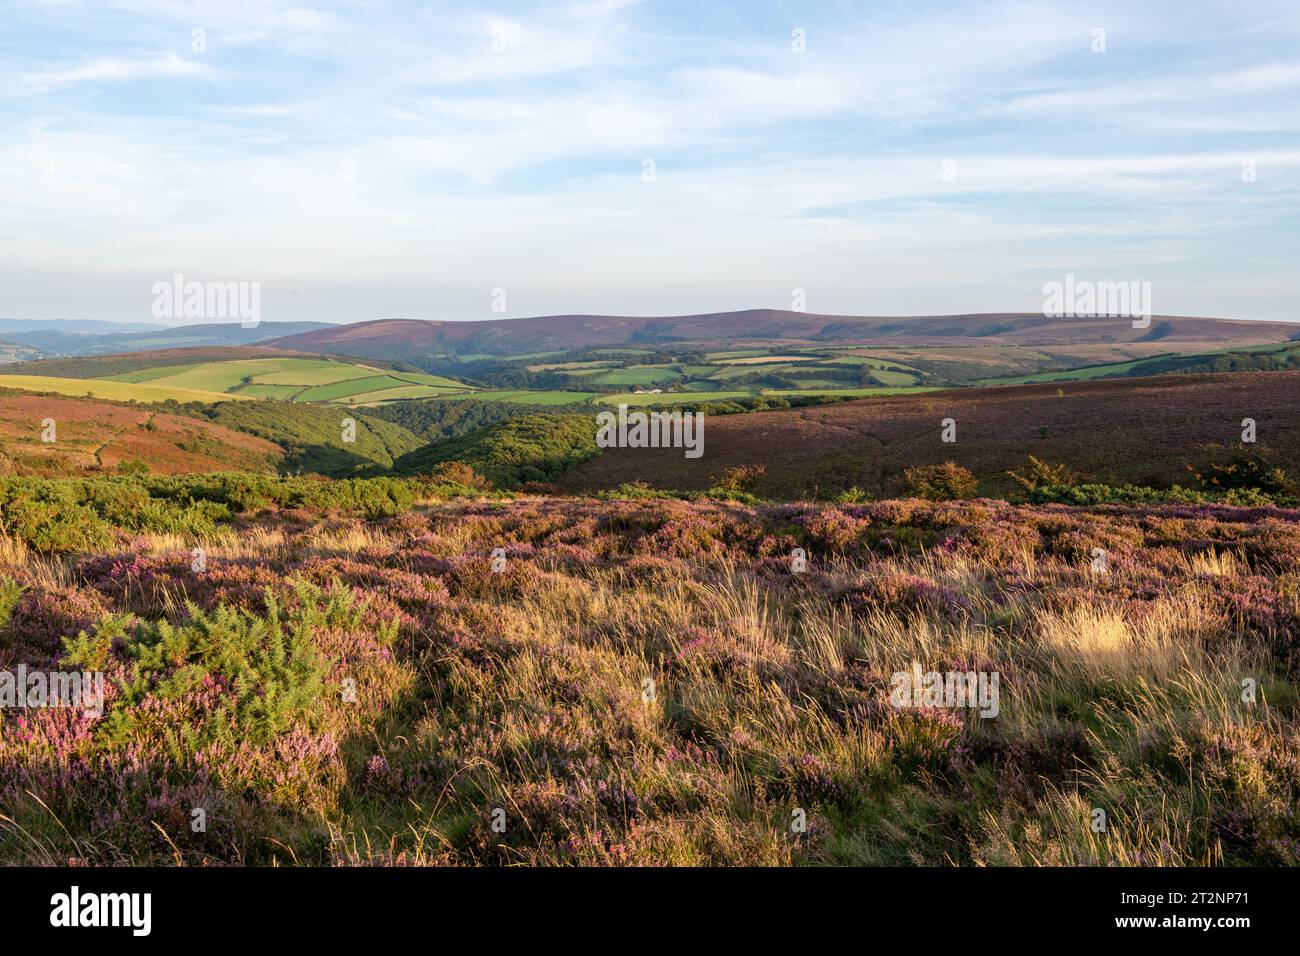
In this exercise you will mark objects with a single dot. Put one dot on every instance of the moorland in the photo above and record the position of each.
(373, 595)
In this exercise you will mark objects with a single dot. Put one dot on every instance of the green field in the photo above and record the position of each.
(283, 393)
(223, 376)
(576, 368)
(114, 391)
(407, 390)
(350, 387)
(739, 371)
(1075, 375)
(295, 379)
(888, 376)
(637, 375)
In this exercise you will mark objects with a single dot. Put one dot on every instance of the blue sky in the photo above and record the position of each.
(375, 159)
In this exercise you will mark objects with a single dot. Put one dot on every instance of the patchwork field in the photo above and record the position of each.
(113, 390)
(672, 373)
(297, 379)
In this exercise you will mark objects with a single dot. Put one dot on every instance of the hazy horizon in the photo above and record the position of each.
(173, 324)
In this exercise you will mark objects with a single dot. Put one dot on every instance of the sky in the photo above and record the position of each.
(364, 160)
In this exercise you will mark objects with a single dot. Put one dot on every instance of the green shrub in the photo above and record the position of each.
(55, 515)
(1039, 472)
(946, 482)
(1243, 468)
(270, 661)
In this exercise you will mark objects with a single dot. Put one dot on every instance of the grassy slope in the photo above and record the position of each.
(296, 379)
(92, 436)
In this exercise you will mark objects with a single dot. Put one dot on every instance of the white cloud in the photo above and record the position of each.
(109, 69)
(469, 168)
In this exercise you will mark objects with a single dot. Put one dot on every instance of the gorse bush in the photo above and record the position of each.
(1242, 468)
(1039, 472)
(740, 479)
(946, 482)
(263, 669)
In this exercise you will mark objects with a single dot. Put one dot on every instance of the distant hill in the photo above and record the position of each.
(96, 341)
(1112, 430)
(415, 340)
(85, 326)
(97, 366)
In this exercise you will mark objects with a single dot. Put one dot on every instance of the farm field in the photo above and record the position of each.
(1070, 375)
(773, 690)
(296, 379)
(113, 390)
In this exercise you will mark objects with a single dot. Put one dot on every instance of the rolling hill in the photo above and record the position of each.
(1114, 430)
(105, 338)
(412, 340)
(92, 437)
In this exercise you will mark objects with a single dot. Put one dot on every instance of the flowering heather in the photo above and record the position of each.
(652, 682)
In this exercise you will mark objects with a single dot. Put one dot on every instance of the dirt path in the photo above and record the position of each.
(96, 453)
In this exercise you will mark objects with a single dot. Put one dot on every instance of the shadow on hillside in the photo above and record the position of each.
(331, 461)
